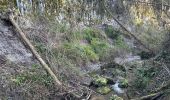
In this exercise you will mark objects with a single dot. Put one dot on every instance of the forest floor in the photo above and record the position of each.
(22, 77)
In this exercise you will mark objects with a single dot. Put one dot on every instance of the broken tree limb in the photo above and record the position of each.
(33, 50)
(148, 96)
(124, 28)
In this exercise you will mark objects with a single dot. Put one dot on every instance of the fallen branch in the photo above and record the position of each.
(42, 62)
(148, 96)
(124, 28)
(33, 50)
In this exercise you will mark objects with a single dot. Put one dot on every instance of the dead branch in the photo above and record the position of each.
(125, 29)
(42, 62)
(148, 96)
(33, 50)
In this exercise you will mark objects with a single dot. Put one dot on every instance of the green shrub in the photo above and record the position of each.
(89, 52)
(98, 45)
(78, 54)
(102, 48)
(144, 76)
(120, 42)
(90, 33)
(74, 52)
(111, 32)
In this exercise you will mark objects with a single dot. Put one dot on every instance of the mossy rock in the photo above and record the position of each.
(123, 83)
(115, 97)
(103, 90)
(100, 81)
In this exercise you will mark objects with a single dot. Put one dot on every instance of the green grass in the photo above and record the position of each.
(79, 52)
(90, 33)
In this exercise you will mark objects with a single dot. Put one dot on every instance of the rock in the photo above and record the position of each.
(115, 97)
(100, 81)
(103, 90)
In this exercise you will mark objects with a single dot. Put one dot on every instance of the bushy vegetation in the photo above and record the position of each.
(144, 76)
(111, 32)
(33, 77)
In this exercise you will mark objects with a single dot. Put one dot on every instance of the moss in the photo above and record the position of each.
(115, 97)
(100, 81)
(103, 90)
